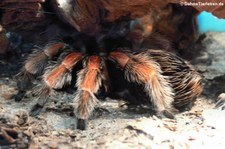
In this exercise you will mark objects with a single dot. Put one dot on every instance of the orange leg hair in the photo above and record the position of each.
(56, 78)
(37, 61)
(60, 75)
(141, 69)
(89, 80)
(35, 65)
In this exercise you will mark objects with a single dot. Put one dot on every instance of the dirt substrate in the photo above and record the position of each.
(117, 124)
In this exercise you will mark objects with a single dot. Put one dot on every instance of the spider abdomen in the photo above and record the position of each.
(184, 79)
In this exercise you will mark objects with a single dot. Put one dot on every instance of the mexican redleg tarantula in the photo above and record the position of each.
(168, 81)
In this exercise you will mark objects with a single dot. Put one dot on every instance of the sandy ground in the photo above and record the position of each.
(117, 124)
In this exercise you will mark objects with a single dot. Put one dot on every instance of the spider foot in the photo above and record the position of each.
(220, 104)
(35, 110)
(99, 111)
(82, 124)
(43, 92)
(19, 96)
(165, 114)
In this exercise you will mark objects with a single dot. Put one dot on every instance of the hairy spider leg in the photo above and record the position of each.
(139, 68)
(35, 65)
(36, 62)
(56, 77)
(89, 81)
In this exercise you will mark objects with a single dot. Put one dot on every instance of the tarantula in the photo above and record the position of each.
(166, 80)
